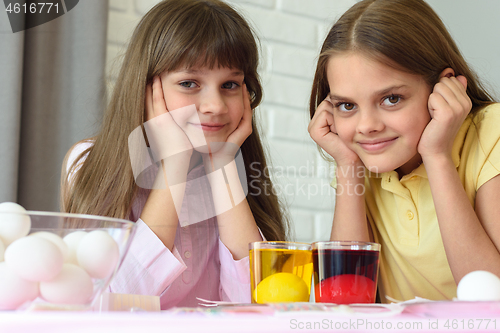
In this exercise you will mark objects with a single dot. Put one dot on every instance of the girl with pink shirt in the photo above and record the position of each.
(189, 84)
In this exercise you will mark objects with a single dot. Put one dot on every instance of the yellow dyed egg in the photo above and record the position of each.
(281, 287)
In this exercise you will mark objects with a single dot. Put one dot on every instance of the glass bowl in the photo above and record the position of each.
(58, 261)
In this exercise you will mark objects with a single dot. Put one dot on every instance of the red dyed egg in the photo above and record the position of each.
(346, 289)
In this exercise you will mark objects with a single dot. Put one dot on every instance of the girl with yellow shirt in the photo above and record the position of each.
(414, 135)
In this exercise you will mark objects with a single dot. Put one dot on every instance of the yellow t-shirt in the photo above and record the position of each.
(403, 218)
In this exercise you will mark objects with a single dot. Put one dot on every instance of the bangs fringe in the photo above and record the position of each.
(216, 42)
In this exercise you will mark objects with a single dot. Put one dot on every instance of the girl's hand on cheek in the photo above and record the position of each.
(165, 136)
(448, 106)
(322, 131)
(244, 129)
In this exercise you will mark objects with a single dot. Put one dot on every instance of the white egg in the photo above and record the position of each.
(479, 286)
(72, 240)
(14, 291)
(34, 258)
(14, 222)
(98, 254)
(72, 286)
(2, 250)
(58, 241)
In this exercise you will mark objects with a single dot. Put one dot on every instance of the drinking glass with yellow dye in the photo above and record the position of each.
(280, 272)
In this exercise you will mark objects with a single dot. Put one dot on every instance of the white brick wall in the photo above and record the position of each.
(291, 33)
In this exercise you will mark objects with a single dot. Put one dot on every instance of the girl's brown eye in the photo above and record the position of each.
(393, 99)
(348, 106)
(345, 107)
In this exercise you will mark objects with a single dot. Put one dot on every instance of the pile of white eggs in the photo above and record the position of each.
(44, 265)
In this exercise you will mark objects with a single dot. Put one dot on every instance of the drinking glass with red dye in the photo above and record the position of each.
(345, 272)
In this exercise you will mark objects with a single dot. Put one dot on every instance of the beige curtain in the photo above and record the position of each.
(51, 96)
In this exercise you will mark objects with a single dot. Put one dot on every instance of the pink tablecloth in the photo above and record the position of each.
(423, 317)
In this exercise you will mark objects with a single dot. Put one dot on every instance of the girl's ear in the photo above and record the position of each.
(448, 72)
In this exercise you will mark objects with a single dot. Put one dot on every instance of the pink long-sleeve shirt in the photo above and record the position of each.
(199, 265)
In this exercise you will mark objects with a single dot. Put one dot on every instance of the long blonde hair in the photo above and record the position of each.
(173, 34)
(404, 34)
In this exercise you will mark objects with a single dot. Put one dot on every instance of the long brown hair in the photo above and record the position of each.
(173, 34)
(404, 34)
